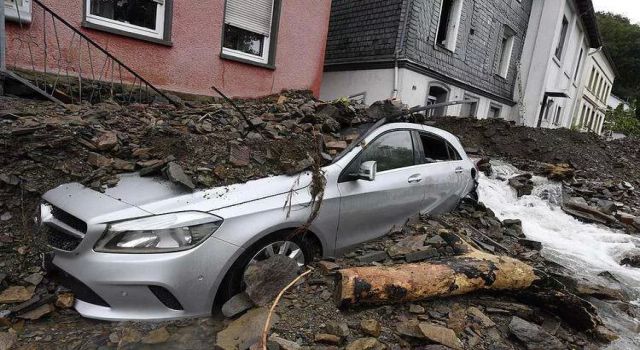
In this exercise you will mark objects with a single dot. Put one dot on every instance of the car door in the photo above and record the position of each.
(369, 209)
(442, 178)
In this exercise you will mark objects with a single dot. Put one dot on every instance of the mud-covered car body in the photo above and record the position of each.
(147, 250)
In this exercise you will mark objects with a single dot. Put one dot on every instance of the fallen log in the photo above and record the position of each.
(469, 271)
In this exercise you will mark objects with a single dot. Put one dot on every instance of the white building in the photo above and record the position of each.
(596, 85)
(560, 35)
(615, 101)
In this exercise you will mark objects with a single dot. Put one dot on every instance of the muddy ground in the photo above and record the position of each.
(42, 145)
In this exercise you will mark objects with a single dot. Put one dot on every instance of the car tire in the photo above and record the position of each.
(232, 283)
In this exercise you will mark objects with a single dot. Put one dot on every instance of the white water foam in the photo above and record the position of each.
(585, 249)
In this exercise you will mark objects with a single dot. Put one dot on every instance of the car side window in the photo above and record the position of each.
(436, 149)
(453, 154)
(392, 150)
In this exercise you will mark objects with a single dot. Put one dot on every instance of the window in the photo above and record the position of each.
(448, 24)
(437, 94)
(392, 150)
(249, 26)
(436, 149)
(599, 90)
(506, 48)
(575, 75)
(563, 37)
(469, 109)
(556, 120)
(548, 112)
(144, 19)
(18, 10)
(494, 112)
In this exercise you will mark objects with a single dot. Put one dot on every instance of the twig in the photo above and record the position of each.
(265, 331)
(244, 116)
(489, 239)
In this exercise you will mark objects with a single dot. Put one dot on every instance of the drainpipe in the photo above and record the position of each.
(399, 46)
(395, 77)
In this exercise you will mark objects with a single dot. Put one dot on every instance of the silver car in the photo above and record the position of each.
(146, 250)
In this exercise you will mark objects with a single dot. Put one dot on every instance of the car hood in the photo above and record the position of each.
(159, 196)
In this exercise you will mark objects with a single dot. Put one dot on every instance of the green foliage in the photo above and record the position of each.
(343, 100)
(619, 120)
(622, 41)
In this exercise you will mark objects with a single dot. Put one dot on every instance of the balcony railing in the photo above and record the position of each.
(50, 55)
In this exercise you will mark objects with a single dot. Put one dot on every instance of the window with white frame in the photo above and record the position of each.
(450, 13)
(506, 49)
(556, 120)
(248, 29)
(18, 10)
(138, 18)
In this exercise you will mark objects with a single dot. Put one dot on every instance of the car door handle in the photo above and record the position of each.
(459, 170)
(415, 178)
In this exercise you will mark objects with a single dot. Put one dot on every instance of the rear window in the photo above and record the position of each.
(436, 149)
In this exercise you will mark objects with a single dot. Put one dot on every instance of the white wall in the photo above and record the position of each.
(377, 83)
(542, 71)
(413, 89)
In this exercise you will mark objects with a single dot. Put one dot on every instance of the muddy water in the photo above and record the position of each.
(587, 250)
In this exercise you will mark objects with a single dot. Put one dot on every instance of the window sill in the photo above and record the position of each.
(500, 77)
(90, 25)
(443, 48)
(246, 61)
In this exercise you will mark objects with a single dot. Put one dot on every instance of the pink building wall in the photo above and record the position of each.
(193, 64)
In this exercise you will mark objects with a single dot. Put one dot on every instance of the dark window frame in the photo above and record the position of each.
(564, 30)
(273, 40)
(166, 37)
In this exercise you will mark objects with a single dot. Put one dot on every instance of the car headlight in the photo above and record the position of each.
(158, 234)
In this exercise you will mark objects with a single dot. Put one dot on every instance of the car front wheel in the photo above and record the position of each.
(298, 249)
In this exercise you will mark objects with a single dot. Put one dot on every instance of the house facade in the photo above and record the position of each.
(591, 105)
(615, 101)
(560, 36)
(247, 48)
(428, 52)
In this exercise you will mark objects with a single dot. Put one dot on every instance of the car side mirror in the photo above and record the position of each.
(368, 171)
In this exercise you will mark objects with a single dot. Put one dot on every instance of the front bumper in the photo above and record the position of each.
(146, 286)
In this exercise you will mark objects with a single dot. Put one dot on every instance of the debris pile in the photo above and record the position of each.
(600, 178)
(204, 145)
(310, 316)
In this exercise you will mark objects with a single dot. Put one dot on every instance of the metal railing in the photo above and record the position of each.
(61, 63)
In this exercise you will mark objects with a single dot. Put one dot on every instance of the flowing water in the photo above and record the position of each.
(586, 250)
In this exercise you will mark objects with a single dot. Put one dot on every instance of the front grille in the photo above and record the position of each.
(60, 239)
(69, 219)
(80, 290)
(165, 296)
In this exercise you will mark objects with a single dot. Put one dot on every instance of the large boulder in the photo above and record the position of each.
(522, 184)
(266, 278)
